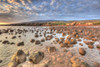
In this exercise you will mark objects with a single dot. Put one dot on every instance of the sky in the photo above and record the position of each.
(32, 10)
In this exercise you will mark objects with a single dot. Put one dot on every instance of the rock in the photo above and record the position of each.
(19, 36)
(69, 37)
(6, 42)
(64, 50)
(79, 39)
(90, 46)
(12, 64)
(60, 42)
(57, 39)
(62, 45)
(98, 47)
(69, 54)
(96, 64)
(51, 49)
(42, 40)
(62, 39)
(19, 57)
(0, 61)
(89, 42)
(94, 39)
(37, 42)
(49, 37)
(82, 51)
(12, 43)
(73, 41)
(36, 57)
(36, 35)
(75, 59)
(13, 37)
(77, 36)
(67, 41)
(20, 44)
(32, 40)
(81, 44)
(76, 62)
(63, 34)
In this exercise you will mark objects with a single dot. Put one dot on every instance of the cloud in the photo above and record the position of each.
(48, 8)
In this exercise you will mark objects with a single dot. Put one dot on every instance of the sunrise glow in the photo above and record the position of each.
(2, 23)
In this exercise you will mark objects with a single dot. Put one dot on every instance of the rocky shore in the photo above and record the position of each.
(59, 46)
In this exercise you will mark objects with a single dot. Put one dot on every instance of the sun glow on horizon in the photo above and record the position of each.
(3, 23)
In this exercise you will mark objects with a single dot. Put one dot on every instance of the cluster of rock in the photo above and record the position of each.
(20, 57)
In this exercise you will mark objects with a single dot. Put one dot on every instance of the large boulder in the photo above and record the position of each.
(36, 57)
(19, 57)
(82, 51)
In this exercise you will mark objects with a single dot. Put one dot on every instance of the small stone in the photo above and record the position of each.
(57, 39)
(89, 42)
(6, 42)
(62, 45)
(32, 40)
(67, 41)
(0, 61)
(98, 47)
(73, 41)
(13, 37)
(69, 37)
(42, 40)
(36, 35)
(82, 51)
(94, 39)
(37, 42)
(90, 46)
(81, 44)
(51, 49)
(20, 44)
(79, 39)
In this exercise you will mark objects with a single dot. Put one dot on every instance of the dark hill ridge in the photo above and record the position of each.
(54, 22)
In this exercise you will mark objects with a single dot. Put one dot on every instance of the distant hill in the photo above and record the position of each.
(56, 22)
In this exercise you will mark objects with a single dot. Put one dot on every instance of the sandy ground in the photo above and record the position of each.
(6, 51)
